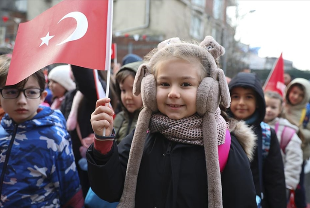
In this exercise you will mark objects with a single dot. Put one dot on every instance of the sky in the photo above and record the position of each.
(276, 26)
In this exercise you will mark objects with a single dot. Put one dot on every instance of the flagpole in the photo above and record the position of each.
(274, 65)
(108, 49)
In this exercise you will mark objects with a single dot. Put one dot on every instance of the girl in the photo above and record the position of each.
(296, 98)
(288, 139)
(173, 153)
(60, 83)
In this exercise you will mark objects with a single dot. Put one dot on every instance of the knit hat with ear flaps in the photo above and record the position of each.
(212, 90)
(61, 74)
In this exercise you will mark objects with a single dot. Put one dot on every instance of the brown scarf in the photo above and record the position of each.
(186, 130)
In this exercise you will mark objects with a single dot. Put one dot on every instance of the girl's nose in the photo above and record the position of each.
(128, 95)
(174, 93)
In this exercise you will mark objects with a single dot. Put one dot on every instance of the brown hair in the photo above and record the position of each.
(300, 86)
(4, 70)
(122, 75)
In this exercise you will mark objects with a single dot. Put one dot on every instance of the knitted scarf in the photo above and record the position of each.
(187, 130)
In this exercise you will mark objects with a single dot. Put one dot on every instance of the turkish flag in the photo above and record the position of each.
(113, 51)
(275, 80)
(73, 31)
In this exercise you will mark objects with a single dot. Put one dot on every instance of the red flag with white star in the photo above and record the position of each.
(73, 31)
(275, 80)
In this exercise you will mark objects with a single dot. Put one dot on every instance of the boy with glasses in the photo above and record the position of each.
(37, 166)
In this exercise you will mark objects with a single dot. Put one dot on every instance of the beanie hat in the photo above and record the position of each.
(212, 90)
(61, 74)
(130, 58)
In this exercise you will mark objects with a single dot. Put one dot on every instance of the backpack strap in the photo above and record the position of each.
(286, 136)
(303, 115)
(307, 116)
(266, 135)
(263, 150)
(223, 151)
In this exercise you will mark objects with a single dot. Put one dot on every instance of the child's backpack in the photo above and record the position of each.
(286, 136)
(223, 151)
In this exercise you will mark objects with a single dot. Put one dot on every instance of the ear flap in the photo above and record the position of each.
(206, 96)
(213, 47)
(225, 95)
(148, 92)
(142, 71)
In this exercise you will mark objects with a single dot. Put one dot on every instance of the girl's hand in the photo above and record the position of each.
(102, 117)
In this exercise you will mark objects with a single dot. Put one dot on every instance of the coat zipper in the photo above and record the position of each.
(8, 152)
(168, 151)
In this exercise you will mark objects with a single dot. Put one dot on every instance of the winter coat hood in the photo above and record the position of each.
(131, 67)
(306, 84)
(250, 80)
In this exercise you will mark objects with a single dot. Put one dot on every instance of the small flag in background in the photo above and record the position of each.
(73, 31)
(275, 80)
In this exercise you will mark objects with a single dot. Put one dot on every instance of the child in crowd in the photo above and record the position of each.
(290, 143)
(248, 104)
(60, 82)
(296, 98)
(36, 160)
(171, 159)
(125, 121)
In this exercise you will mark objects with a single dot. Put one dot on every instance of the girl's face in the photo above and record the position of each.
(273, 109)
(57, 89)
(296, 95)
(21, 109)
(177, 83)
(243, 102)
(131, 102)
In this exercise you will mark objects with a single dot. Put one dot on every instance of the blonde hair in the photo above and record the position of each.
(274, 95)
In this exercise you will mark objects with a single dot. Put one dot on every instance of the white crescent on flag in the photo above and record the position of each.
(81, 28)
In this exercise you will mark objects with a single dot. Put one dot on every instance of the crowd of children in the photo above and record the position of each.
(174, 135)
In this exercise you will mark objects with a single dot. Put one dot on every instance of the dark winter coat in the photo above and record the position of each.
(273, 180)
(171, 174)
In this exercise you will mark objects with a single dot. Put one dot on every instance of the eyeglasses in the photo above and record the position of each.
(12, 93)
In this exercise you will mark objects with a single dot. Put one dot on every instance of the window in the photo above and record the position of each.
(196, 27)
(218, 9)
(21, 5)
(2, 36)
(201, 3)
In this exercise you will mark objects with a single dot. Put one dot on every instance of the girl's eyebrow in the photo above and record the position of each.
(183, 77)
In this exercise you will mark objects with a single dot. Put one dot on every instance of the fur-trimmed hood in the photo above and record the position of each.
(244, 135)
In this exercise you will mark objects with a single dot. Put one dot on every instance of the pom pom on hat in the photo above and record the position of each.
(61, 74)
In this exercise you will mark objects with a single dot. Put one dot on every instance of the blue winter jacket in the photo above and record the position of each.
(37, 165)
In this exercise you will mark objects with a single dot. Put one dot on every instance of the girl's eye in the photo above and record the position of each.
(234, 96)
(164, 84)
(186, 84)
(249, 97)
